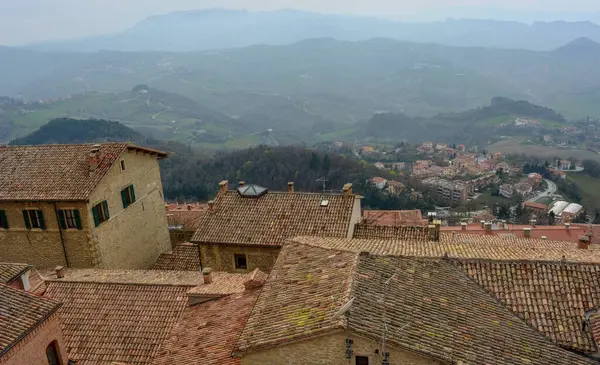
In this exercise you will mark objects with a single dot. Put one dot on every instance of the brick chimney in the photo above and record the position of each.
(527, 232)
(256, 280)
(291, 187)
(488, 228)
(223, 185)
(189, 207)
(94, 157)
(567, 226)
(206, 274)
(60, 272)
(533, 222)
(211, 205)
(347, 189)
(463, 226)
(584, 242)
(482, 223)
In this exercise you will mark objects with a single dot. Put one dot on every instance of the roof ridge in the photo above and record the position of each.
(74, 281)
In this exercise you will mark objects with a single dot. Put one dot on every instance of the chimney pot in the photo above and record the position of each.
(291, 187)
(211, 205)
(206, 274)
(223, 185)
(567, 226)
(482, 223)
(94, 157)
(242, 183)
(584, 242)
(348, 189)
(463, 226)
(60, 272)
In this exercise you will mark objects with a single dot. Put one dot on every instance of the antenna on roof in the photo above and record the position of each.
(384, 352)
(324, 180)
(344, 309)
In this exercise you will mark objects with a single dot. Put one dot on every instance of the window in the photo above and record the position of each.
(122, 165)
(240, 261)
(3, 220)
(128, 196)
(69, 219)
(34, 218)
(362, 360)
(52, 354)
(100, 213)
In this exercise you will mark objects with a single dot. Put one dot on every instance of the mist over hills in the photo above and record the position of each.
(220, 28)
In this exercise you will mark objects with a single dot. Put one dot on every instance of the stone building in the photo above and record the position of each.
(29, 329)
(244, 229)
(323, 305)
(82, 206)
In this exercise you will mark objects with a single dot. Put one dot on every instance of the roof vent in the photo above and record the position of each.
(324, 203)
(252, 191)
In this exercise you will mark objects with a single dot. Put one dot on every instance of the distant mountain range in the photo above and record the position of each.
(219, 29)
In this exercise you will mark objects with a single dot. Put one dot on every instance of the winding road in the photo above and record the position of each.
(551, 189)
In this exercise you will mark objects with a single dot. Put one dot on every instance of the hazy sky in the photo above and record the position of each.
(25, 21)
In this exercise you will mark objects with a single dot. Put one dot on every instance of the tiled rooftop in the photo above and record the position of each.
(551, 297)
(184, 257)
(554, 233)
(140, 277)
(432, 307)
(185, 216)
(55, 172)
(274, 217)
(225, 283)
(11, 271)
(372, 231)
(465, 247)
(19, 313)
(206, 333)
(104, 323)
(306, 287)
(394, 217)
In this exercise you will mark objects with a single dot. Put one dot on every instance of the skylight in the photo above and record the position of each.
(252, 191)
(324, 203)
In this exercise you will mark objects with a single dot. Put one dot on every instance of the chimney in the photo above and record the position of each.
(207, 275)
(348, 189)
(527, 232)
(463, 226)
(533, 222)
(433, 231)
(223, 187)
(189, 207)
(241, 183)
(488, 228)
(567, 226)
(211, 205)
(482, 223)
(60, 272)
(94, 157)
(166, 207)
(256, 280)
(544, 238)
(584, 242)
(291, 187)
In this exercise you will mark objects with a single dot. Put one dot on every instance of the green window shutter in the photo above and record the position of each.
(132, 194)
(105, 208)
(41, 217)
(124, 197)
(3, 220)
(77, 219)
(95, 214)
(61, 219)
(26, 219)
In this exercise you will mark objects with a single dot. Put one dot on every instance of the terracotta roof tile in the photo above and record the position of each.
(457, 323)
(184, 257)
(179, 217)
(394, 217)
(206, 333)
(225, 283)
(433, 308)
(55, 172)
(140, 277)
(465, 247)
(306, 287)
(11, 271)
(553, 233)
(371, 231)
(551, 297)
(104, 323)
(274, 217)
(19, 313)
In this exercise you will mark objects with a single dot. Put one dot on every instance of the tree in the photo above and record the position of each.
(596, 218)
(581, 217)
(314, 162)
(503, 212)
(551, 218)
(326, 163)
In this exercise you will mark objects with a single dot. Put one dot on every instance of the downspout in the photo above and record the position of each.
(62, 239)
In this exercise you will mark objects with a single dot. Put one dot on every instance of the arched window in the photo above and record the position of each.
(53, 354)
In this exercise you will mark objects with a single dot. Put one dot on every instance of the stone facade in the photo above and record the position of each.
(132, 238)
(220, 257)
(32, 348)
(135, 236)
(331, 350)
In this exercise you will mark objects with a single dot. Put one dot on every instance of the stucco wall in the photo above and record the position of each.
(134, 237)
(43, 248)
(220, 257)
(331, 350)
(32, 349)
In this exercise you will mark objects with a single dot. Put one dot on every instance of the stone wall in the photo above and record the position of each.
(220, 257)
(32, 349)
(43, 248)
(331, 350)
(135, 236)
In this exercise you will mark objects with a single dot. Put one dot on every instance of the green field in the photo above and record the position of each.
(518, 146)
(590, 190)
